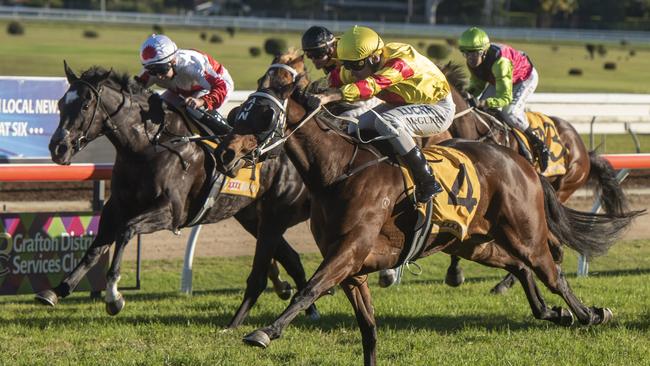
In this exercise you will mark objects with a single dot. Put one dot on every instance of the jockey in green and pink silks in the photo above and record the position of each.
(505, 79)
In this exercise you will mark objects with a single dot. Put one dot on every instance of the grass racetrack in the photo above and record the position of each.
(421, 322)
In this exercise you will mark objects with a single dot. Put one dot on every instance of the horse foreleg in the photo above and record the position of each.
(290, 260)
(454, 277)
(156, 218)
(357, 291)
(105, 237)
(256, 282)
(338, 265)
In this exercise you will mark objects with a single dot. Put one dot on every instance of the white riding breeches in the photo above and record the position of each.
(515, 111)
(408, 121)
(362, 106)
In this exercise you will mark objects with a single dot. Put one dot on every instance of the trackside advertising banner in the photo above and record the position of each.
(38, 249)
(29, 115)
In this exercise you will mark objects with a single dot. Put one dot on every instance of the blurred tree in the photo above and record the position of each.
(549, 9)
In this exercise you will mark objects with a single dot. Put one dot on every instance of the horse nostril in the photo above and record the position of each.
(60, 150)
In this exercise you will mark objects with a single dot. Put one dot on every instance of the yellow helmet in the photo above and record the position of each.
(358, 43)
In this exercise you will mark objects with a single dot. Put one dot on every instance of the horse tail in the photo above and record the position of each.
(608, 189)
(589, 234)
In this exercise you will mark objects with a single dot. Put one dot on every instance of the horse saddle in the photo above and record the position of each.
(545, 128)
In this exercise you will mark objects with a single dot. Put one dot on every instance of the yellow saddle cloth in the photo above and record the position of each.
(545, 127)
(455, 207)
(244, 184)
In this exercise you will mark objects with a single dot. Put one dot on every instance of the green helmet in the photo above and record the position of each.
(473, 39)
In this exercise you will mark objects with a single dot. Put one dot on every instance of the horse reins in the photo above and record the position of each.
(108, 122)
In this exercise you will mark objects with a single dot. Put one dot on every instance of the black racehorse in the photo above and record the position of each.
(161, 185)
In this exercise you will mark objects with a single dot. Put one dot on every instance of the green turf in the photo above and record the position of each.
(41, 50)
(421, 322)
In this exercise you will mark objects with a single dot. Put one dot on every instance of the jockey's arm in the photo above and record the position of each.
(395, 71)
(502, 71)
(218, 90)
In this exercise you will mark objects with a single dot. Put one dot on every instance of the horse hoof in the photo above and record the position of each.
(285, 292)
(454, 278)
(313, 314)
(258, 339)
(114, 308)
(499, 289)
(387, 278)
(47, 297)
(566, 318)
(605, 314)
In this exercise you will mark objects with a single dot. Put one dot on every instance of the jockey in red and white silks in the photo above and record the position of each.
(193, 75)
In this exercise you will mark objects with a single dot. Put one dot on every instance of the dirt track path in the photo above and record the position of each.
(228, 238)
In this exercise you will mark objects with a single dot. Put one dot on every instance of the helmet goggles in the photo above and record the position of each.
(355, 65)
(158, 69)
(317, 53)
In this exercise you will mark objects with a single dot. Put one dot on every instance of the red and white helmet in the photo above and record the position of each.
(157, 49)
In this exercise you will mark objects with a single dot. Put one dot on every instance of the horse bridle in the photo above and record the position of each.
(78, 144)
(274, 136)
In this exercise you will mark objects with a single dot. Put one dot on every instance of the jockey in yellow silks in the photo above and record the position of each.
(319, 45)
(416, 95)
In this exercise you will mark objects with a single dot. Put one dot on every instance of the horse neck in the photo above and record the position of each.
(319, 154)
(136, 126)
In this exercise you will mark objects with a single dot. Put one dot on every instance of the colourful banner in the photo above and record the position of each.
(29, 115)
(38, 249)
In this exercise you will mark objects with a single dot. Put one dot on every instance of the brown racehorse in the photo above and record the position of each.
(361, 223)
(581, 165)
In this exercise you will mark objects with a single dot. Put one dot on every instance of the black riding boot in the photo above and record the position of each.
(426, 185)
(212, 119)
(538, 146)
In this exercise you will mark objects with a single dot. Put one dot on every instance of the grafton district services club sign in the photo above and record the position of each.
(38, 249)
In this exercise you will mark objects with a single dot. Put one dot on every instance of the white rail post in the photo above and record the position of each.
(583, 263)
(186, 274)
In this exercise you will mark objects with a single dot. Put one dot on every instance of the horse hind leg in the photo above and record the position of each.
(539, 259)
(586, 315)
(557, 315)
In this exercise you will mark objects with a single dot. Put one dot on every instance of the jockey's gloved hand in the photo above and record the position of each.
(308, 100)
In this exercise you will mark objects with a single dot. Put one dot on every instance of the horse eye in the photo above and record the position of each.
(85, 106)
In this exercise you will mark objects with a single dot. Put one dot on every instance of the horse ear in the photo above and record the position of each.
(106, 75)
(69, 74)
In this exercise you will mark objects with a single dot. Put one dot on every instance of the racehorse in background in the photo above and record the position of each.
(363, 221)
(158, 184)
(581, 165)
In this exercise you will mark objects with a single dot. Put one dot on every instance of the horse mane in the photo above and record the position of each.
(123, 80)
(455, 75)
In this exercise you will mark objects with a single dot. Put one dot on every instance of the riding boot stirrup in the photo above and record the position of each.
(426, 185)
(540, 149)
